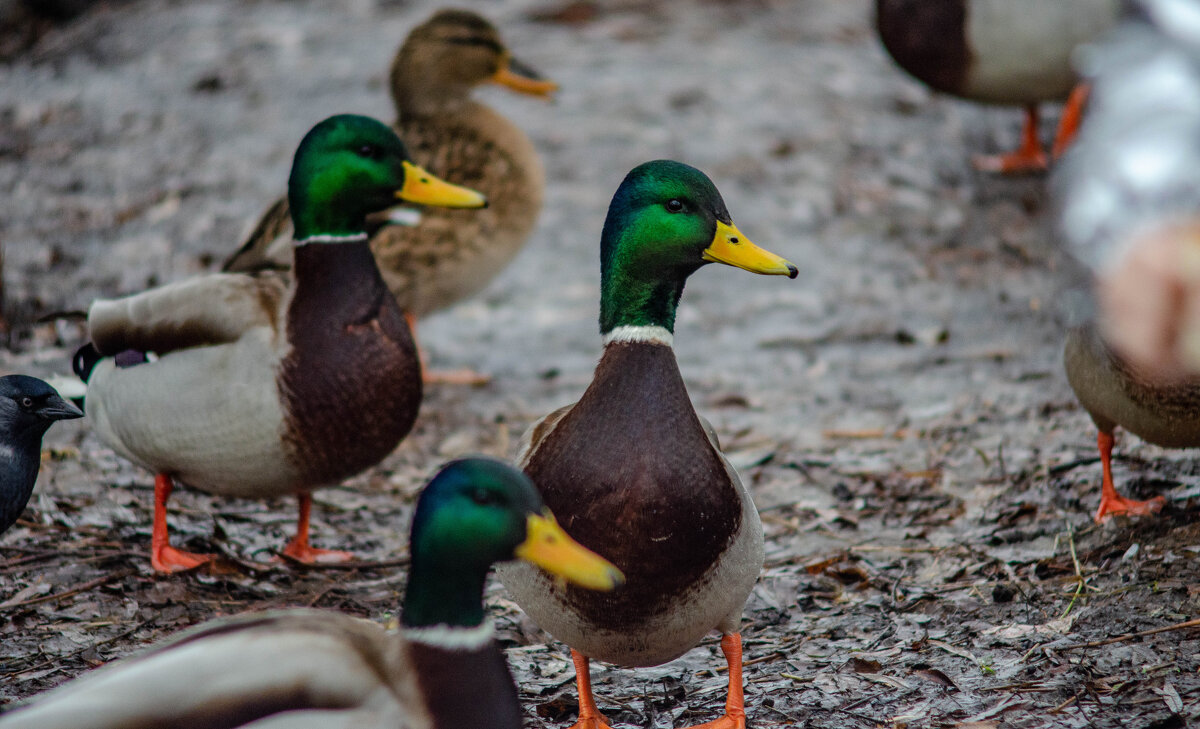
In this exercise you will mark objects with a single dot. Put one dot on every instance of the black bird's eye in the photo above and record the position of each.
(370, 151)
(483, 497)
(674, 206)
(27, 403)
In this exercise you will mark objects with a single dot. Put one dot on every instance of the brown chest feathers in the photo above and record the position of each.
(630, 473)
(351, 383)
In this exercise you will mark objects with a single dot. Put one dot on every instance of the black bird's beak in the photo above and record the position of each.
(57, 408)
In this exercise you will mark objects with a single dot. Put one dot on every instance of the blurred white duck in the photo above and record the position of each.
(1130, 208)
(1008, 52)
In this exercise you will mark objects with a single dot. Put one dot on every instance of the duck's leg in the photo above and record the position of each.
(1110, 501)
(1072, 115)
(1030, 157)
(299, 549)
(164, 557)
(443, 377)
(589, 716)
(735, 707)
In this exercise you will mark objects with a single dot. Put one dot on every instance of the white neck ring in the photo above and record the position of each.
(642, 334)
(452, 637)
(325, 238)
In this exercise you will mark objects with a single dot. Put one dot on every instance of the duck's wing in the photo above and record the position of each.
(267, 247)
(287, 669)
(206, 310)
(536, 434)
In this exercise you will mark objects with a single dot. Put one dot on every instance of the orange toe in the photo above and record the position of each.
(1113, 505)
(728, 721)
(1013, 163)
(302, 552)
(595, 721)
(166, 558)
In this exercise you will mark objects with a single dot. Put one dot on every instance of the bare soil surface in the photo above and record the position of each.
(925, 476)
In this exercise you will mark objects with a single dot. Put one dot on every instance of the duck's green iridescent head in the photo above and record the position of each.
(474, 513)
(665, 221)
(349, 166)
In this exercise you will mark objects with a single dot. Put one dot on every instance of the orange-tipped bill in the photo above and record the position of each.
(548, 546)
(422, 187)
(523, 79)
(732, 248)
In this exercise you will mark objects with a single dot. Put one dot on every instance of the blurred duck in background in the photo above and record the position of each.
(434, 258)
(1129, 193)
(1008, 52)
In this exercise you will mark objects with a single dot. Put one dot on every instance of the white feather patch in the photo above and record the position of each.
(352, 238)
(452, 637)
(646, 334)
(408, 217)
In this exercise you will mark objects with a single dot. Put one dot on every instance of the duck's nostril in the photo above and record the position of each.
(733, 240)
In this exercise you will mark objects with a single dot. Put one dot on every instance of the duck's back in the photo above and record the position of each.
(451, 255)
(284, 670)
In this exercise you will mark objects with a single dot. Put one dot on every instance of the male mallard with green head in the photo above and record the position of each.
(1009, 52)
(631, 470)
(448, 255)
(263, 389)
(301, 669)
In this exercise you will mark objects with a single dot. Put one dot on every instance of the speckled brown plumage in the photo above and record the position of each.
(451, 254)
(630, 473)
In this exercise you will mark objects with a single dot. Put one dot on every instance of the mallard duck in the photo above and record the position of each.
(264, 389)
(1009, 52)
(1116, 394)
(635, 473)
(1129, 192)
(447, 256)
(295, 669)
(28, 407)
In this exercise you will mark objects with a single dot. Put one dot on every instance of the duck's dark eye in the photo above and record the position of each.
(483, 497)
(27, 403)
(674, 206)
(370, 151)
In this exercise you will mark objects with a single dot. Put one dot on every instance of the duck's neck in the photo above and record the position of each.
(633, 298)
(442, 596)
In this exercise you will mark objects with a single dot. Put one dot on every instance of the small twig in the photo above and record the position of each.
(74, 591)
(1080, 581)
(1195, 623)
(356, 565)
(1059, 709)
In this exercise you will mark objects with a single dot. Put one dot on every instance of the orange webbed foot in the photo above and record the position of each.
(1029, 158)
(595, 721)
(1117, 504)
(304, 552)
(166, 558)
(728, 721)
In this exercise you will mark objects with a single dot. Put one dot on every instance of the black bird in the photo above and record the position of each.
(28, 407)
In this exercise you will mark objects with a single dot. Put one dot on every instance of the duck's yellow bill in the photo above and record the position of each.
(422, 187)
(548, 546)
(522, 79)
(732, 248)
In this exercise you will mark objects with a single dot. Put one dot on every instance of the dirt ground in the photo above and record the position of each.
(925, 476)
